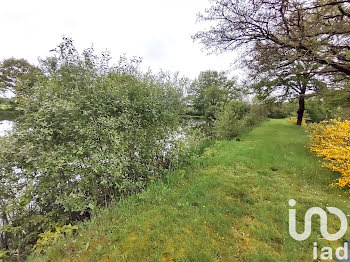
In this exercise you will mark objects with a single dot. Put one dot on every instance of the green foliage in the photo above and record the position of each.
(7, 109)
(230, 120)
(88, 134)
(318, 110)
(210, 91)
(236, 194)
(4, 101)
(288, 85)
(4, 107)
(6, 104)
(257, 113)
(281, 110)
(236, 117)
(49, 237)
(2, 255)
(283, 49)
(339, 98)
(8, 114)
(181, 152)
(17, 75)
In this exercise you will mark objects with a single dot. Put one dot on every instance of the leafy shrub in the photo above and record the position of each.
(205, 143)
(49, 237)
(230, 120)
(88, 134)
(281, 110)
(330, 140)
(317, 110)
(4, 107)
(238, 116)
(2, 255)
(182, 151)
(257, 113)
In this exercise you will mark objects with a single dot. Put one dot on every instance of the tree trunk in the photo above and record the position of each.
(301, 108)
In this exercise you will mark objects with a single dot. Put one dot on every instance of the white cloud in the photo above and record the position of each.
(157, 30)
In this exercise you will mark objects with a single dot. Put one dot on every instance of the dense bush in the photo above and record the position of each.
(7, 110)
(257, 112)
(236, 117)
(88, 134)
(281, 110)
(330, 140)
(210, 91)
(230, 119)
(317, 110)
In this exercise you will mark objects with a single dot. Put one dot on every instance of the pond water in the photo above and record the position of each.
(5, 126)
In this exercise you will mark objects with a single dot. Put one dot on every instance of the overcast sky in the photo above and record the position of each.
(157, 30)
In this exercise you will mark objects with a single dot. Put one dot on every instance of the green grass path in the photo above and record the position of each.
(231, 205)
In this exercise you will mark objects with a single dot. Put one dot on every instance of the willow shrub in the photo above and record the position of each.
(331, 141)
(237, 117)
(85, 137)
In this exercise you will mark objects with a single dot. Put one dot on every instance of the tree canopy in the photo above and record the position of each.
(210, 91)
(310, 31)
(17, 75)
(291, 47)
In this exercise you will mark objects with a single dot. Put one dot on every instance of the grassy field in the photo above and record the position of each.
(230, 205)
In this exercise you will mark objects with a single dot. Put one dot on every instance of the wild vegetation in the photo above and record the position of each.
(292, 48)
(236, 117)
(17, 75)
(210, 92)
(219, 101)
(87, 135)
(231, 204)
(108, 162)
(7, 111)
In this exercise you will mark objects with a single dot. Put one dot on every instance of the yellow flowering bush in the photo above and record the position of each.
(331, 141)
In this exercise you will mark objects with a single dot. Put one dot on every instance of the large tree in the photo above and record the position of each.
(17, 75)
(278, 81)
(314, 31)
(211, 90)
(296, 83)
(279, 36)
